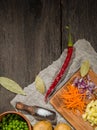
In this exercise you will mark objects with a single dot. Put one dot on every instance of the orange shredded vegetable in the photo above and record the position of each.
(73, 99)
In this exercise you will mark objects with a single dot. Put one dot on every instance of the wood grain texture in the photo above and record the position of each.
(81, 16)
(33, 35)
(74, 119)
(29, 41)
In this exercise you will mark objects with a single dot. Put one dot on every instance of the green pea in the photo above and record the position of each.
(13, 122)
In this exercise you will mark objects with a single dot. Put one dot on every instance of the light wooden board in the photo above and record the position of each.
(75, 120)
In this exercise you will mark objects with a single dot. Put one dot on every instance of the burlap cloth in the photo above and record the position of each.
(83, 50)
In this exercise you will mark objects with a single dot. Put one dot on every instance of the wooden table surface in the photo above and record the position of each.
(33, 35)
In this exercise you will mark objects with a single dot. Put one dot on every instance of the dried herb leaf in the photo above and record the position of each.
(40, 86)
(84, 68)
(11, 85)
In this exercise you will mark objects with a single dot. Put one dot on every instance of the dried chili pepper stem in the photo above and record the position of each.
(63, 68)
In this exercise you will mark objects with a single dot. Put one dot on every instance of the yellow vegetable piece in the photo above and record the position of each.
(39, 84)
(91, 113)
(84, 68)
(95, 128)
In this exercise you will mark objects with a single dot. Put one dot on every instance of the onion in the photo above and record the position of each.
(85, 85)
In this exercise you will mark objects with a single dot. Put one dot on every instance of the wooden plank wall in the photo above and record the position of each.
(81, 15)
(33, 35)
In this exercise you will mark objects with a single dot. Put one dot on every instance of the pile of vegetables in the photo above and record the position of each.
(46, 125)
(72, 99)
(79, 95)
(85, 85)
(74, 96)
(13, 122)
(91, 113)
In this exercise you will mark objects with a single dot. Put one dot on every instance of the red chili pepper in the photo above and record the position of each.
(63, 68)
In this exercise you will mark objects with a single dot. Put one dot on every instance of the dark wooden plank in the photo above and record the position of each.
(29, 41)
(33, 35)
(81, 15)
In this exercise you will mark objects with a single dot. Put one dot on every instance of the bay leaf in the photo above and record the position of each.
(40, 86)
(84, 69)
(11, 85)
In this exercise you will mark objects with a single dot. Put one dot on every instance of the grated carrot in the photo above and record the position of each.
(73, 99)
